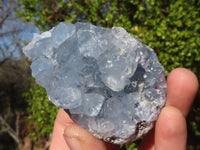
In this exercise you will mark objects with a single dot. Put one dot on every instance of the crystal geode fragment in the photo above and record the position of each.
(112, 84)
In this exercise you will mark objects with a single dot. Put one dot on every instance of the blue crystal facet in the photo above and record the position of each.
(112, 84)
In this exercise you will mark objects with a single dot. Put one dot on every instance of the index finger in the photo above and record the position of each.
(182, 89)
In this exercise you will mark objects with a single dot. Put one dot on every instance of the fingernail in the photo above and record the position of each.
(73, 143)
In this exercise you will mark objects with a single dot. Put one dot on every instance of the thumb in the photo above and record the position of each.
(78, 138)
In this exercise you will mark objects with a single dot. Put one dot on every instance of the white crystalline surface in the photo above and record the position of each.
(112, 84)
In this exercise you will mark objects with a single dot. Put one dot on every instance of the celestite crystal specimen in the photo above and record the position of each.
(112, 84)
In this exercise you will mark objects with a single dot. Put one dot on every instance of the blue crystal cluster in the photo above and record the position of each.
(112, 84)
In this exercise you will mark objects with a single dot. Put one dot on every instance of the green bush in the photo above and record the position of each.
(42, 112)
(171, 28)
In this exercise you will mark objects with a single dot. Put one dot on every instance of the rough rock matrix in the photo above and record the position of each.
(112, 84)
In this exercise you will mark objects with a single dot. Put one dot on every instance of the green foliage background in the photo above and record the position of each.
(42, 113)
(170, 27)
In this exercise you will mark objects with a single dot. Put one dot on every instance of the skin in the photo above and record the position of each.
(170, 130)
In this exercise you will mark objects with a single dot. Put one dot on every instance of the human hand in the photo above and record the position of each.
(170, 130)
